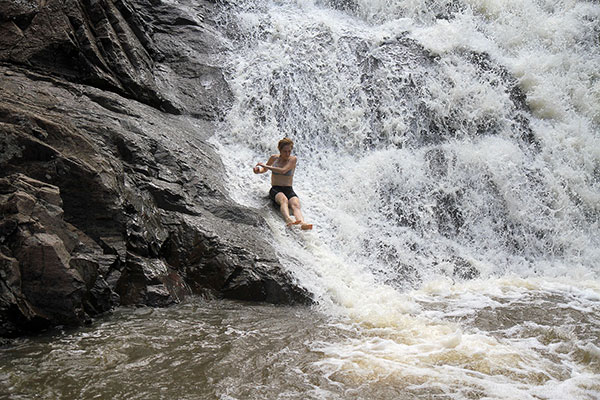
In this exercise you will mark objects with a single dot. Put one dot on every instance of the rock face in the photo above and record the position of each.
(110, 193)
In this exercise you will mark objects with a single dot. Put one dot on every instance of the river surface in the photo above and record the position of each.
(524, 341)
(449, 158)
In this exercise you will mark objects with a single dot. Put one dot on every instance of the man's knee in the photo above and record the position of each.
(281, 199)
(294, 202)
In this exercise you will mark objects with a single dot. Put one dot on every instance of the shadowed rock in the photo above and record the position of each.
(109, 191)
(48, 275)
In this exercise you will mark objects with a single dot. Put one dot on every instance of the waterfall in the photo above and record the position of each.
(449, 152)
(428, 138)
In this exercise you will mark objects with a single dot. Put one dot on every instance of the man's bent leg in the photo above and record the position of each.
(284, 207)
(294, 203)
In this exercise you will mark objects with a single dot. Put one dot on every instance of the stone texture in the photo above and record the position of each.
(146, 50)
(48, 275)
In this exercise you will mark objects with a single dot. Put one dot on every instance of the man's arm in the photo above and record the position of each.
(261, 168)
(291, 164)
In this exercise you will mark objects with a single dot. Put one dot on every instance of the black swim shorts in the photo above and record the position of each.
(286, 190)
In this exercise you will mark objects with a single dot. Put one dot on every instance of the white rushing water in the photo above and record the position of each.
(449, 157)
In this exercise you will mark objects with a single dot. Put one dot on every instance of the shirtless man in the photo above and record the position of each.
(282, 167)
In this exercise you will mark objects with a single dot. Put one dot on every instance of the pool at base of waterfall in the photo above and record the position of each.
(494, 339)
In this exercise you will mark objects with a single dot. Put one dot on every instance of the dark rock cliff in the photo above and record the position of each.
(109, 191)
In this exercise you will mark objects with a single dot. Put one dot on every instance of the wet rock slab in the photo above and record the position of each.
(109, 191)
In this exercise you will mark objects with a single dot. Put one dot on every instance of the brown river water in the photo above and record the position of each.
(524, 343)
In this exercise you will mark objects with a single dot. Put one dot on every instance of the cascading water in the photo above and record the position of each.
(449, 157)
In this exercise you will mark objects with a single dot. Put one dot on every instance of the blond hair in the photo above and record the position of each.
(284, 142)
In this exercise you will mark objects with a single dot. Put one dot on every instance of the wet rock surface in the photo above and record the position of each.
(110, 193)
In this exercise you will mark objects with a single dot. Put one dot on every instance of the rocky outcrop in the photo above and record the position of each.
(48, 274)
(109, 191)
(158, 54)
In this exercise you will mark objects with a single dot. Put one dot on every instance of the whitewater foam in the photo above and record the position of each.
(448, 156)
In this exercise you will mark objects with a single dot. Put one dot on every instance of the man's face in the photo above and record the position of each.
(286, 151)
